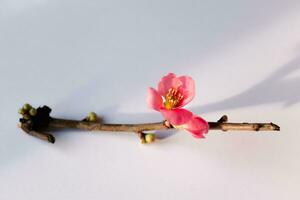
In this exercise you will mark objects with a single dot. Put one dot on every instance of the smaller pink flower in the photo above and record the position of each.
(171, 95)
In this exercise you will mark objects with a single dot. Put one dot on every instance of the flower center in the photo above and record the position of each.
(172, 98)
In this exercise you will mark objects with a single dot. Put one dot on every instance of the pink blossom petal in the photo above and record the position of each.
(197, 126)
(177, 116)
(154, 100)
(167, 82)
(187, 89)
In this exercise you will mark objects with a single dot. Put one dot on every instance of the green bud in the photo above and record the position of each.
(26, 116)
(92, 117)
(27, 107)
(32, 111)
(22, 111)
(150, 138)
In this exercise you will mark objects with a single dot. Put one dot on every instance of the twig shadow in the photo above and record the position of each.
(279, 87)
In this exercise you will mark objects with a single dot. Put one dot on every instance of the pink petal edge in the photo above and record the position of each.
(167, 82)
(154, 100)
(197, 126)
(187, 89)
(177, 116)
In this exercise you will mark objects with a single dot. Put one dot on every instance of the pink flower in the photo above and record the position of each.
(171, 95)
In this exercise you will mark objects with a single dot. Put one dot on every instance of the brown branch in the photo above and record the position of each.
(221, 124)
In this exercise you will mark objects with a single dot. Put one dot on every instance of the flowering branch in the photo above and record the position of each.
(36, 121)
(171, 95)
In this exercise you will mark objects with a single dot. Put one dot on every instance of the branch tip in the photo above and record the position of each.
(275, 127)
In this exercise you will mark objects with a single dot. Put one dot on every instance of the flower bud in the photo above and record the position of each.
(26, 116)
(32, 111)
(92, 117)
(27, 107)
(149, 138)
(22, 111)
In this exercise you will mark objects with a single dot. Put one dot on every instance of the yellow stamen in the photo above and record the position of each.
(172, 98)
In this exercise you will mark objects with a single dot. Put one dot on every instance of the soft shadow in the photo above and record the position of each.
(277, 88)
(280, 87)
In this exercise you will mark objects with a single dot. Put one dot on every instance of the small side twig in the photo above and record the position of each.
(27, 128)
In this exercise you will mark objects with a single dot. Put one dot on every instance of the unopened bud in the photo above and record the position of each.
(32, 111)
(26, 116)
(22, 111)
(27, 107)
(92, 117)
(149, 138)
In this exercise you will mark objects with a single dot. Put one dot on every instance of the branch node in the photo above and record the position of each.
(167, 124)
(223, 119)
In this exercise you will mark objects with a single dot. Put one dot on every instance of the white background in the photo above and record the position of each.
(81, 56)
